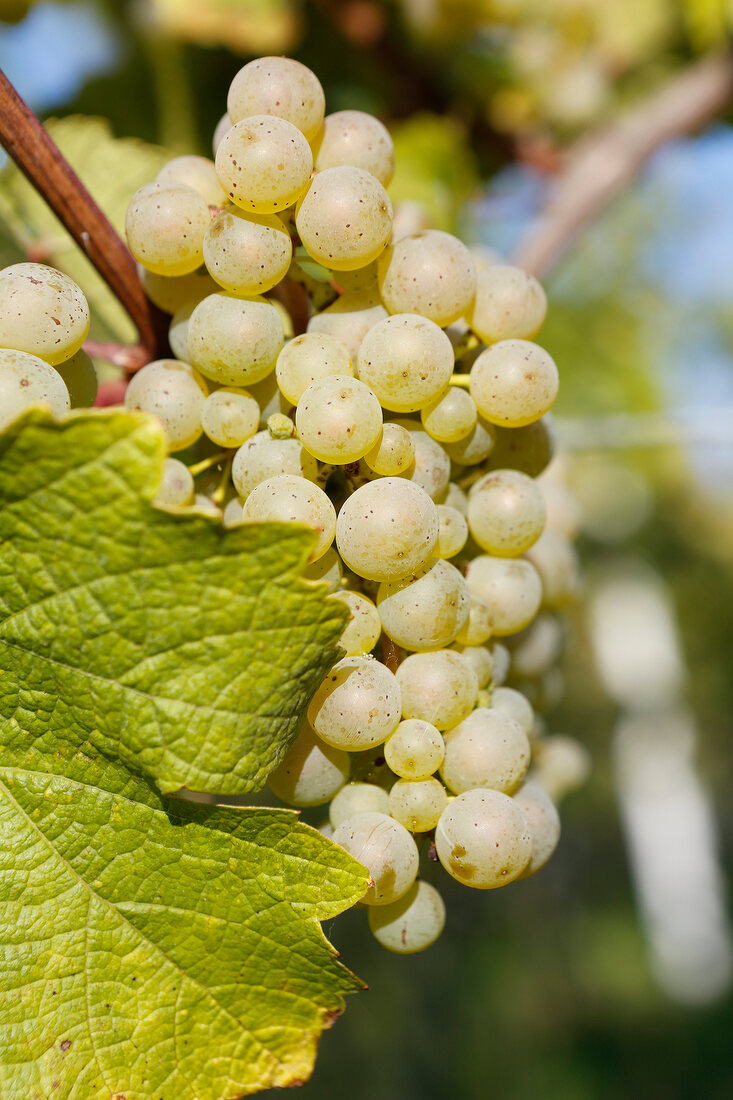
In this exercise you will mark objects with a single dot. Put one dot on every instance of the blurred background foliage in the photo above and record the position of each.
(547, 990)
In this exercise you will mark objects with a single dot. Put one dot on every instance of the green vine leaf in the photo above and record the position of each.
(188, 651)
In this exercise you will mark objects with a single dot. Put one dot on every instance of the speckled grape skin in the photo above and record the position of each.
(358, 139)
(426, 609)
(487, 749)
(286, 498)
(393, 454)
(247, 253)
(165, 225)
(42, 312)
(407, 360)
(451, 416)
(386, 529)
(513, 383)
(483, 839)
(234, 340)
(431, 273)
(506, 513)
(415, 749)
(230, 416)
(544, 824)
(264, 164)
(357, 705)
(349, 318)
(262, 457)
(197, 172)
(311, 772)
(26, 380)
(438, 686)
(453, 531)
(345, 218)
(338, 419)
(361, 633)
(386, 849)
(175, 393)
(278, 86)
(308, 357)
(509, 304)
(511, 587)
(417, 803)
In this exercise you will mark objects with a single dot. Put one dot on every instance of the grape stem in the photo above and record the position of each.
(40, 160)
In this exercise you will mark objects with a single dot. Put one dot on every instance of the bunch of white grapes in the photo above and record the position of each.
(406, 427)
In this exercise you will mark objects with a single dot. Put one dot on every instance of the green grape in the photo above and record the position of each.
(529, 449)
(479, 658)
(232, 514)
(205, 506)
(171, 292)
(308, 358)
(427, 608)
(196, 172)
(417, 803)
(501, 660)
(513, 383)
(361, 633)
(357, 798)
(506, 513)
(475, 447)
(387, 851)
(562, 765)
(268, 396)
(479, 625)
(431, 469)
(26, 380)
(407, 360)
(511, 588)
(556, 561)
(262, 457)
(361, 278)
(537, 648)
(386, 529)
(487, 749)
(415, 749)
(439, 687)
(311, 772)
(176, 488)
(452, 533)
(451, 417)
(165, 225)
(264, 164)
(358, 704)
(42, 312)
(562, 506)
(247, 253)
(509, 305)
(235, 341)
(178, 330)
(287, 498)
(223, 125)
(338, 419)
(410, 924)
(278, 86)
(483, 839)
(349, 318)
(80, 377)
(430, 273)
(394, 452)
(327, 569)
(517, 706)
(230, 416)
(358, 139)
(544, 824)
(175, 393)
(345, 218)
(454, 497)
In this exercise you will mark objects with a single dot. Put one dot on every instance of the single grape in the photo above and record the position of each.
(556, 561)
(42, 312)
(80, 378)
(386, 529)
(474, 447)
(544, 824)
(362, 631)
(407, 360)
(175, 393)
(196, 172)
(415, 749)
(349, 318)
(479, 659)
(451, 416)
(247, 253)
(264, 164)
(537, 648)
(479, 625)
(278, 86)
(262, 457)
(487, 749)
(176, 488)
(452, 534)
(510, 587)
(431, 469)
(410, 924)
(509, 304)
(357, 798)
(427, 608)
(232, 514)
(287, 498)
(386, 849)
(483, 839)
(431, 273)
(358, 139)
(338, 419)
(345, 218)
(234, 341)
(171, 292)
(439, 687)
(393, 453)
(308, 358)
(417, 803)
(327, 569)
(358, 704)
(562, 765)
(165, 225)
(529, 449)
(455, 497)
(515, 705)
(311, 772)
(26, 380)
(506, 512)
(513, 383)
(178, 330)
(230, 416)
